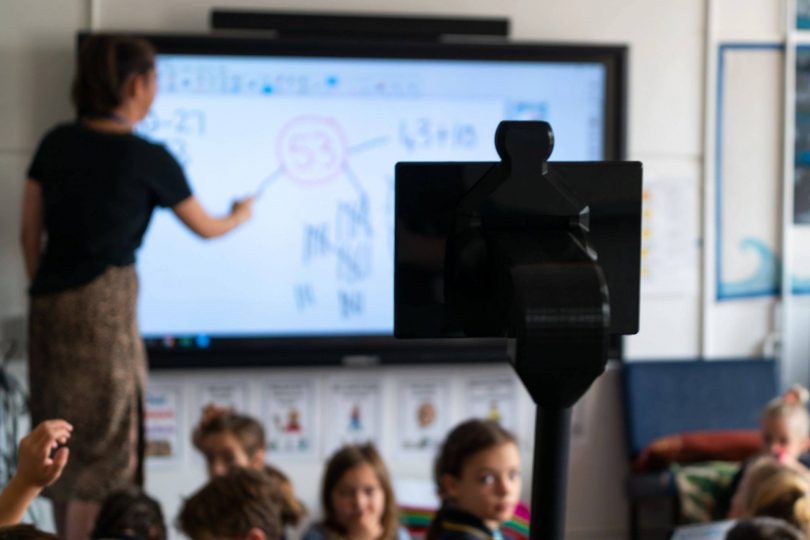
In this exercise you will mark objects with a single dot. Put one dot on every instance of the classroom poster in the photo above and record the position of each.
(164, 427)
(290, 413)
(493, 398)
(352, 412)
(227, 393)
(423, 410)
(669, 237)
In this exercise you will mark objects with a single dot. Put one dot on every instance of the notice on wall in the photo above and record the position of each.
(669, 237)
(352, 412)
(423, 410)
(225, 393)
(290, 413)
(164, 428)
(493, 398)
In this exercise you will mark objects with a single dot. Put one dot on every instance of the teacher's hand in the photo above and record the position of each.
(242, 210)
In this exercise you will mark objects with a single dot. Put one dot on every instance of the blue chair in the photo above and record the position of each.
(668, 397)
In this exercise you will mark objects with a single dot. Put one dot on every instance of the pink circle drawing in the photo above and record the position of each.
(312, 149)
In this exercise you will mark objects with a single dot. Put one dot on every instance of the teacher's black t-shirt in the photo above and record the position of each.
(99, 190)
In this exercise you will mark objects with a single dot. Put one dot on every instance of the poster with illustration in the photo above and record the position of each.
(225, 393)
(423, 409)
(289, 411)
(164, 427)
(352, 412)
(493, 398)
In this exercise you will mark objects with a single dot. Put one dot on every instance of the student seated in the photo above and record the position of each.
(40, 463)
(129, 513)
(785, 437)
(764, 528)
(228, 439)
(773, 489)
(243, 504)
(358, 498)
(477, 474)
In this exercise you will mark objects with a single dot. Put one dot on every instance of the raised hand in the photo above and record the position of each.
(38, 464)
(42, 458)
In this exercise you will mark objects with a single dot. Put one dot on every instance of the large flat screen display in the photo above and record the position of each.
(313, 131)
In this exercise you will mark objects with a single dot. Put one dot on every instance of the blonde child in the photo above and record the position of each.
(357, 498)
(785, 437)
(41, 462)
(774, 489)
(242, 504)
(477, 474)
(764, 528)
(228, 439)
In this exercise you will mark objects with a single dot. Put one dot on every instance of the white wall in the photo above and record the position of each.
(666, 132)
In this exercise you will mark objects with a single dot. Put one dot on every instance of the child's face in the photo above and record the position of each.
(358, 500)
(223, 451)
(489, 485)
(782, 436)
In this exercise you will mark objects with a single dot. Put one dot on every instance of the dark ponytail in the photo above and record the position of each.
(105, 65)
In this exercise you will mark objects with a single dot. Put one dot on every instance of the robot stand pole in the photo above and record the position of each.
(552, 436)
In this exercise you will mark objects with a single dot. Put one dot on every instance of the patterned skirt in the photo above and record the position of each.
(87, 365)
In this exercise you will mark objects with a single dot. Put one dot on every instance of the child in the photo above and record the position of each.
(228, 439)
(776, 490)
(764, 528)
(477, 474)
(130, 513)
(785, 436)
(243, 504)
(357, 498)
(39, 466)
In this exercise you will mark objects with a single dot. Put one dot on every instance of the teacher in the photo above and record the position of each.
(91, 189)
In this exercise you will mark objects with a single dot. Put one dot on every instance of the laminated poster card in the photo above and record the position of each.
(226, 393)
(290, 413)
(165, 432)
(424, 415)
(493, 398)
(352, 412)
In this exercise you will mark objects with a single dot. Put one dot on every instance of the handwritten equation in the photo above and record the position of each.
(312, 149)
(430, 134)
(174, 129)
(349, 241)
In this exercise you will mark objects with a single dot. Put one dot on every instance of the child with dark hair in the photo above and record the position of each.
(228, 439)
(130, 513)
(764, 528)
(477, 474)
(357, 498)
(242, 504)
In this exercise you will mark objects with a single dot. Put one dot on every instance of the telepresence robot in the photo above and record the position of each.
(544, 254)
